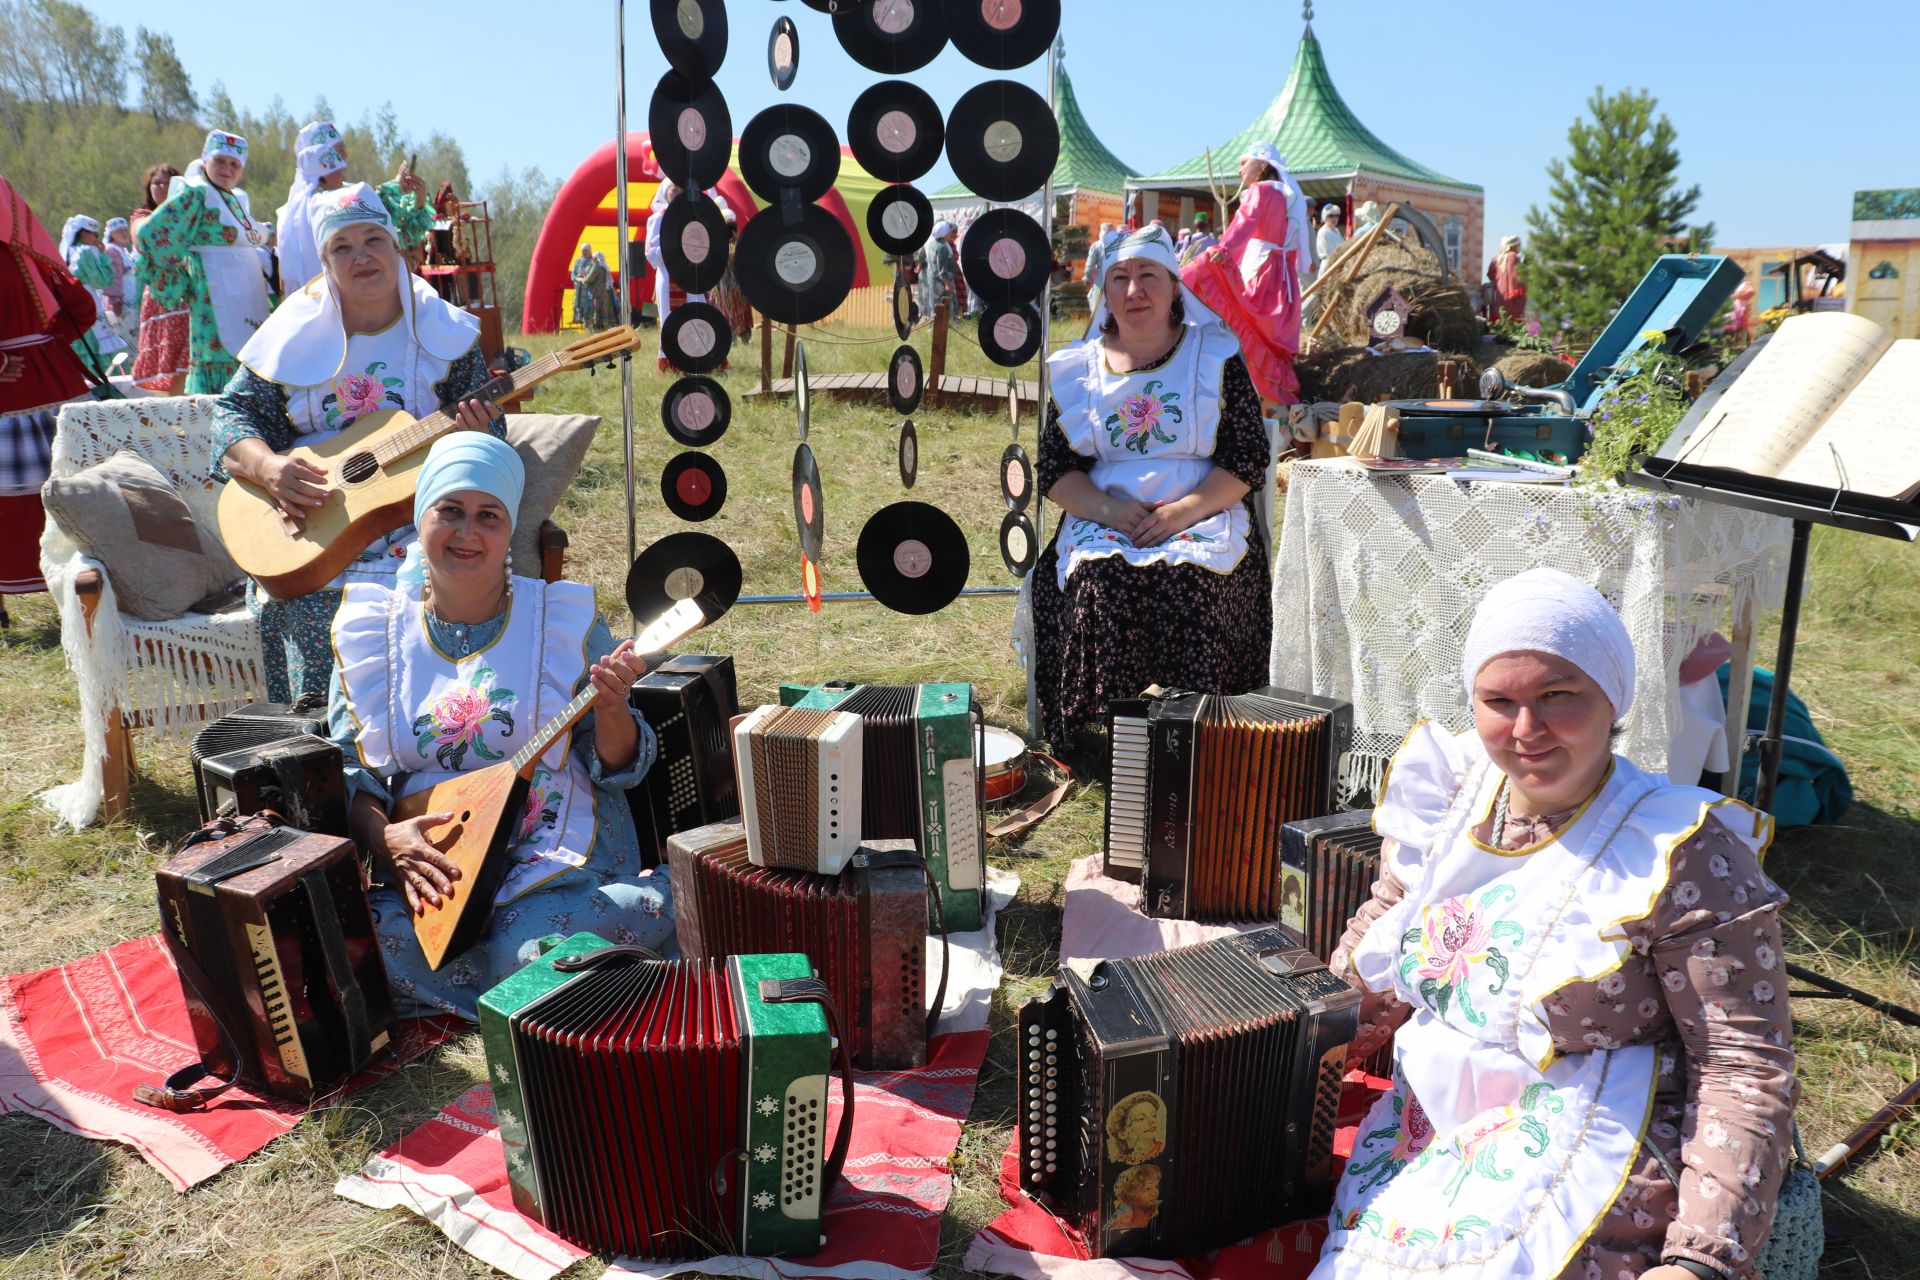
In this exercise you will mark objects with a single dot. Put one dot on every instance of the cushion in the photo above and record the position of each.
(553, 446)
(123, 513)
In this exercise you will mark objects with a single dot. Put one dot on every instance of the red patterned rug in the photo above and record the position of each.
(76, 1039)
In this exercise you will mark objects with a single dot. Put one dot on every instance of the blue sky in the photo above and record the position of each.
(1777, 124)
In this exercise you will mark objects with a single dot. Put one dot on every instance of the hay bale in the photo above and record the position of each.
(1533, 368)
(1341, 374)
(1443, 312)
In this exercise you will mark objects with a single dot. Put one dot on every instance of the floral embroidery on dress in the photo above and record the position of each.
(1410, 1132)
(355, 395)
(457, 719)
(1452, 938)
(1479, 1147)
(541, 814)
(1394, 1231)
(1136, 423)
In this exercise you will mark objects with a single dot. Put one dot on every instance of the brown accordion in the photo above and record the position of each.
(864, 930)
(1327, 869)
(1181, 1101)
(1199, 785)
(286, 991)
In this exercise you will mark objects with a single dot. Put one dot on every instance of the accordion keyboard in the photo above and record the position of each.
(1127, 795)
(278, 1003)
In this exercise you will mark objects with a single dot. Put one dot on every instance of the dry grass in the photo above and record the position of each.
(72, 1208)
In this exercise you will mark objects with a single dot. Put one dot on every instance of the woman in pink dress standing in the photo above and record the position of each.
(1251, 279)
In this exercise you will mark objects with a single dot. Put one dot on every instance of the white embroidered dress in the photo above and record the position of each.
(1151, 434)
(424, 714)
(236, 289)
(1493, 1155)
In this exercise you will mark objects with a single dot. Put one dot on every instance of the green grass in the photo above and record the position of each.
(72, 1208)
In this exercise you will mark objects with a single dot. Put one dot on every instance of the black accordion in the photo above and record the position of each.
(1199, 785)
(1181, 1101)
(271, 756)
(688, 700)
(864, 930)
(285, 987)
(1327, 869)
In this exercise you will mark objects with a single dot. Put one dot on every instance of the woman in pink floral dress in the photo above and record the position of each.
(1580, 964)
(1152, 445)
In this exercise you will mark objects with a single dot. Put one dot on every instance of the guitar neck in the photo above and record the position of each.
(671, 627)
(421, 433)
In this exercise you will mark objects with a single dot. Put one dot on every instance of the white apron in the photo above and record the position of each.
(421, 713)
(1151, 435)
(1494, 1156)
(236, 289)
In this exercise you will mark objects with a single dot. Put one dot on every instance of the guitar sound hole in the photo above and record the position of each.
(359, 468)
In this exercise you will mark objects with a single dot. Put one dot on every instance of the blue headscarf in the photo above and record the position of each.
(459, 461)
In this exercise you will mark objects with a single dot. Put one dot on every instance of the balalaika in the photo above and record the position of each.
(1199, 785)
(922, 770)
(667, 1109)
(270, 930)
(1177, 1102)
(864, 930)
(371, 468)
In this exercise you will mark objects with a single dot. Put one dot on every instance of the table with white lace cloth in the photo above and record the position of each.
(1377, 577)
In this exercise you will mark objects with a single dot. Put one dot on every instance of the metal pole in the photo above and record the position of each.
(1041, 382)
(625, 252)
(1773, 743)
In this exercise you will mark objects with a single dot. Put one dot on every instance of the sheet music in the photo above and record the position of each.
(1777, 405)
(1876, 431)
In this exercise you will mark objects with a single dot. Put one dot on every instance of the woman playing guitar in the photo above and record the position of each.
(363, 336)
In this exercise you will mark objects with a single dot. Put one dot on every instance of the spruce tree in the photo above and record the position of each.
(1615, 205)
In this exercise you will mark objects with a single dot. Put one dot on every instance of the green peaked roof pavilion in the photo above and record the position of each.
(1315, 130)
(1085, 164)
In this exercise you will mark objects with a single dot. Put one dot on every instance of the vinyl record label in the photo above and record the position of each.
(696, 337)
(905, 380)
(696, 411)
(694, 486)
(1018, 543)
(912, 557)
(684, 566)
(909, 453)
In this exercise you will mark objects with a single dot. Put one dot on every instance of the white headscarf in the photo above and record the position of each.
(1156, 246)
(1547, 611)
(71, 231)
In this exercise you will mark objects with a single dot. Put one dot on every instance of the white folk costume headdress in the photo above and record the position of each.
(1547, 611)
(315, 133)
(1155, 246)
(221, 143)
(70, 232)
(304, 342)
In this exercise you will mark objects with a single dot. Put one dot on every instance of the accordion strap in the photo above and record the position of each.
(340, 976)
(788, 991)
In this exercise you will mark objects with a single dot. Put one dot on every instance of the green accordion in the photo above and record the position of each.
(921, 773)
(666, 1109)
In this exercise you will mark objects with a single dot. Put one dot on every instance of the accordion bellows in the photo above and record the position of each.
(1199, 786)
(627, 1093)
(1327, 869)
(800, 787)
(864, 930)
(1177, 1102)
(688, 701)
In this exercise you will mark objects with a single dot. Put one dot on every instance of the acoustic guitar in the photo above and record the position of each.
(486, 805)
(371, 470)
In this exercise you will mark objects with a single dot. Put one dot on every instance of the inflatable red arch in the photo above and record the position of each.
(579, 206)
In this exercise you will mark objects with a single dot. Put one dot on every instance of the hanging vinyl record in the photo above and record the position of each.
(895, 131)
(696, 411)
(693, 241)
(1013, 405)
(802, 391)
(1018, 543)
(1005, 256)
(909, 453)
(1010, 333)
(1016, 478)
(906, 308)
(696, 337)
(691, 129)
(789, 147)
(900, 219)
(694, 486)
(912, 557)
(1002, 34)
(892, 37)
(1002, 140)
(693, 35)
(809, 514)
(684, 566)
(905, 382)
(783, 53)
(794, 272)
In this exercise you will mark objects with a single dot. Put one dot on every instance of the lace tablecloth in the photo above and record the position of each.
(1377, 578)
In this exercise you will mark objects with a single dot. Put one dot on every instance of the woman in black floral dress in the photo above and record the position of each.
(1153, 444)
